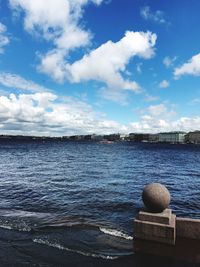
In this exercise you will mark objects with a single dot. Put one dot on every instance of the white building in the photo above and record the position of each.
(124, 137)
(172, 137)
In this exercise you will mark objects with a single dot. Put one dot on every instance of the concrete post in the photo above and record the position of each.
(158, 231)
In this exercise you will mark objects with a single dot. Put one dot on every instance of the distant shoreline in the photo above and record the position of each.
(83, 139)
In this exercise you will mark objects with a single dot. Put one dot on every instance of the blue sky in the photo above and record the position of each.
(99, 66)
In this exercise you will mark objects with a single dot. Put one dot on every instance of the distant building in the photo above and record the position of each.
(96, 137)
(87, 137)
(143, 138)
(124, 137)
(76, 137)
(65, 137)
(139, 137)
(135, 137)
(172, 137)
(153, 137)
(112, 137)
(132, 137)
(193, 137)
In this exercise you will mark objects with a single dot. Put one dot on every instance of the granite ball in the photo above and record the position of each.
(156, 197)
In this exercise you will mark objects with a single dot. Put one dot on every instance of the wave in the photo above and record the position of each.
(87, 254)
(10, 213)
(23, 226)
(20, 228)
(85, 225)
(8, 227)
(114, 232)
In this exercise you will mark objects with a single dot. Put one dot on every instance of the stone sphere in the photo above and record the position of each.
(156, 197)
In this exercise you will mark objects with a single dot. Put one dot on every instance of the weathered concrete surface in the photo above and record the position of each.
(152, 231)
(161, 217)
(185, 249)
(188, 228)
(156, 197)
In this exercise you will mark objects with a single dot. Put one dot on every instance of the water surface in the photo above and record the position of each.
(80, 198)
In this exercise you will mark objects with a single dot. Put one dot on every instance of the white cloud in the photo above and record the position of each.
(47, 114)
(139, 67)
(161, 118)
(4, 40)
(164, 84)
(168, 62)
(17, 82)
(192, 67)
(108, 62)
(105, 64)
(59, 22)
(157, 110)
(151, 125)
(157, 16)
(53, 64)
(115, 95)
(55, 20)
(195, 101)
(150, 98)
(187, 123)
(163, 110)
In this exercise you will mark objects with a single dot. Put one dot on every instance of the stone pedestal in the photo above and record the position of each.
(161, 233)
(159, 227)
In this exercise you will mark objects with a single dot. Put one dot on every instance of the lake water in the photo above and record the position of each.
(73, 203)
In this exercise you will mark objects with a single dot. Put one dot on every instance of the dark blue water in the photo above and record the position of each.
(60, 199)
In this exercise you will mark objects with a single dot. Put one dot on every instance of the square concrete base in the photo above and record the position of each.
(161, 217)
(158, 227)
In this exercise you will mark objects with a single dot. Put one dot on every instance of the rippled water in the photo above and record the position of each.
(81, 198)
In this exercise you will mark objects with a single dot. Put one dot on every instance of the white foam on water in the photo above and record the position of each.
(56, 245)
(21, 228)
(8, 227)
(115, 232)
